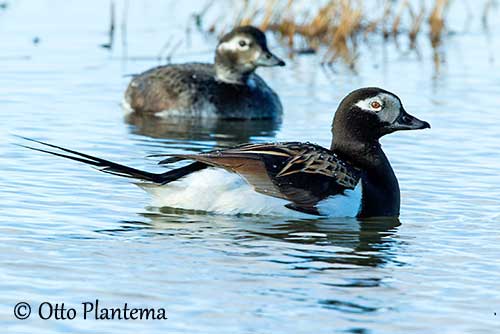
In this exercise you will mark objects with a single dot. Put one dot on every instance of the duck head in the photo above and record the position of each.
(240, 52)
(367, 114)
(362, 118)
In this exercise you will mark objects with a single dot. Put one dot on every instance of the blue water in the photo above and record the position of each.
(70, 234)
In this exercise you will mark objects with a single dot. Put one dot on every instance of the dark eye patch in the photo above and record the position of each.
(242, 43)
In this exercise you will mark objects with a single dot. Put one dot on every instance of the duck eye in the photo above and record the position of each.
(375, 105)
(242, 43)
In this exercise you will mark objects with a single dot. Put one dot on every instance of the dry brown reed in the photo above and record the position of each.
(436, 21)
(337, 25)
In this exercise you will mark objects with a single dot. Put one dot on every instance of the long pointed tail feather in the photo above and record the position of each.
(110, 167)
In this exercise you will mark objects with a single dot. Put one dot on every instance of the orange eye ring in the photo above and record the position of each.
(375, 105)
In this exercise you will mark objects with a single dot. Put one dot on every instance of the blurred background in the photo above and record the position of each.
(70, 234)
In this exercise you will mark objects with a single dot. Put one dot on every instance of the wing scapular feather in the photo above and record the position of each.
(307, 158)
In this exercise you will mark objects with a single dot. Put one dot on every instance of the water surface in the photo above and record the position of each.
(70, 234)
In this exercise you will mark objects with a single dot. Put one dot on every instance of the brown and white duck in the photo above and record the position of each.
(227, 89)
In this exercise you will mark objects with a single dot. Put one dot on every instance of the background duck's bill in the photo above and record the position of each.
(268, 59)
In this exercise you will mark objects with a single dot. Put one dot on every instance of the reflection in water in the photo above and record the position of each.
(360, 243)
(224, 132)
(341, 242)
(217, 274)
(334, 256)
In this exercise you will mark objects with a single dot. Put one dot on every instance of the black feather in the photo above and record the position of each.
(110, 167)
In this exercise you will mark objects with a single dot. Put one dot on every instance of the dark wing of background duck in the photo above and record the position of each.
(301, 173)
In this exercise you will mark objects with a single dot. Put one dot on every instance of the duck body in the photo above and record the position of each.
(268, 178)
(272, 178)
(193, 90)
(219, 191)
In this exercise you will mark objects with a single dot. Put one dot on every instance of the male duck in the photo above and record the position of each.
(352, 178)
(228, 89)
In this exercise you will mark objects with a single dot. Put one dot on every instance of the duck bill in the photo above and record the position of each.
(406, 121)
(267, 59)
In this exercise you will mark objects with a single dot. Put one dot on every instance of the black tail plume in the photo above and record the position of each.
(110, 167)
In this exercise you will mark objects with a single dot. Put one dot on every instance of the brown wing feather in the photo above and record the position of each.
(251, 168)
(306, 158)
(285, 178)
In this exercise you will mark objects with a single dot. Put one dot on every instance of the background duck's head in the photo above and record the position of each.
(367, 114)
(240, 52)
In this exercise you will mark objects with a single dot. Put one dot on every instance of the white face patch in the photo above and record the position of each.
(235, 44)
(386, 106)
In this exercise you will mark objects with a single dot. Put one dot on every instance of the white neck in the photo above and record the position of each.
(228, 75)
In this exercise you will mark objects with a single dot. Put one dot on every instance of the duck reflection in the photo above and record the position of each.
(319, 245)
(340, 242)
(223, 132)
(341, 260)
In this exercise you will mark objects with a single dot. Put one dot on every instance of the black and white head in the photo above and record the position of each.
(367, 114)
(241, 51)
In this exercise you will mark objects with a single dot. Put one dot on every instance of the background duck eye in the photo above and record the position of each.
(376, 105)
(242, 43)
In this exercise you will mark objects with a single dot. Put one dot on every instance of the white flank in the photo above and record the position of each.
(346, 205)
(127, 108)
(219, 191)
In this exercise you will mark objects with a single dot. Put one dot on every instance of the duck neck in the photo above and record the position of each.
(227, 72)
(381, 196)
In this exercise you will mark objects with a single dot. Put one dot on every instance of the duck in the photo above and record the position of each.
(227, 89)
(352, 178)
